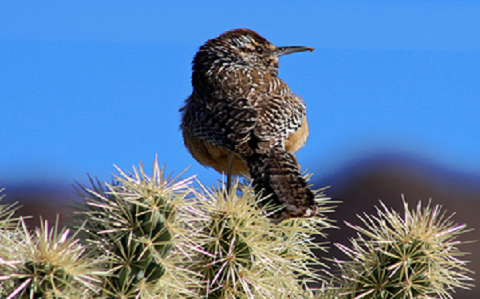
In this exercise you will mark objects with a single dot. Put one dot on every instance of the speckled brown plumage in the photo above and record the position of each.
(242, 119)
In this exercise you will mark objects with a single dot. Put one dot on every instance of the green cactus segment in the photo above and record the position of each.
(246, 255)
(153, 222)
(50, 263)
(404, 256)
(47, 277)
(397, 271)
(139, 252)
(140, 223)
(226, 255)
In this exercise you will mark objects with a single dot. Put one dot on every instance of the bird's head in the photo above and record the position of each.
(242, 48)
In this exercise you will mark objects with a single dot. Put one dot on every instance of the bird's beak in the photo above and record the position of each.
(289, 50)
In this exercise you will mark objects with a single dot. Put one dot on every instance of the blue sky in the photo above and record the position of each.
(88, 84)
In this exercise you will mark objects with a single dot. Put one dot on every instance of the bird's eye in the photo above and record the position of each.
(259, 50)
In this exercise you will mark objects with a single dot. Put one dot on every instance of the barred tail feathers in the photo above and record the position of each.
(276, 176)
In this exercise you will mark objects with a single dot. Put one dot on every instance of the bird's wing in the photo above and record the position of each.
(280, 112)
(224, 122)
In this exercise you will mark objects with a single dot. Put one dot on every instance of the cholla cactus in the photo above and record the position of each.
(158, 237)
(47, 264)
(328, 290)
(245, 255)
(8, 224)
(404, 257)
(8, 235)
(165, 238)
(142, 223)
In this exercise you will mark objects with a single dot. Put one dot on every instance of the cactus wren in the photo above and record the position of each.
(242, 119)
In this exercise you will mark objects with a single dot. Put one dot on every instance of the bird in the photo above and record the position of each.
(242, 119)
